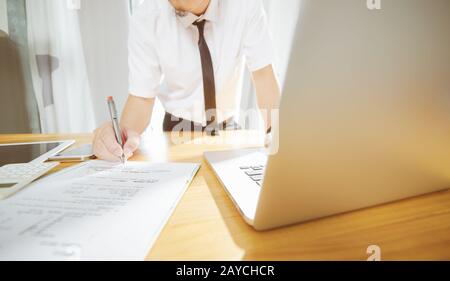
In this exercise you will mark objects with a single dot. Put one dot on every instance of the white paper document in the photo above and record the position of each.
(93, 211)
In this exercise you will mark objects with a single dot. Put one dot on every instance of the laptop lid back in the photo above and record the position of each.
(365, 113)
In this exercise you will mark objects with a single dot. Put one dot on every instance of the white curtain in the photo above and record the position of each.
(104, 32)
(3, 16)
(58, 66)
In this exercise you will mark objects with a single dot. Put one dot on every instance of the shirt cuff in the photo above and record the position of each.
(260, 63)
(142, 88)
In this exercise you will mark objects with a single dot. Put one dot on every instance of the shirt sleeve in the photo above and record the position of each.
(258, 48)
(144, 68)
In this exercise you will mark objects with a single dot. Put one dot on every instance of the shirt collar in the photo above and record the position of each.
(211, 14)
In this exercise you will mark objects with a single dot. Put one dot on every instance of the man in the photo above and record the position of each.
(197, 50)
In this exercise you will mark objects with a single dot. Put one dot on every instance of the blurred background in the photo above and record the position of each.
(60, 59)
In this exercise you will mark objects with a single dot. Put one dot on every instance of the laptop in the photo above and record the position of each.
(364, 118)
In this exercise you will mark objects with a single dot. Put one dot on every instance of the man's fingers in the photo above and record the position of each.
(102, 152)
(110, 142)
(131, 145)
(106, 146)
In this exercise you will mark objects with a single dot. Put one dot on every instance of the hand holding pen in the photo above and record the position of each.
(113, 143)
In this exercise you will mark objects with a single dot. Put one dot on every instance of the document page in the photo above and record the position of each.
(93, 211)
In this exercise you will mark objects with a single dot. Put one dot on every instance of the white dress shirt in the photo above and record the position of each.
(164, 58)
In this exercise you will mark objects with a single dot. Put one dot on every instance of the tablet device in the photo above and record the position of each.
(13, 153)
(74, 154)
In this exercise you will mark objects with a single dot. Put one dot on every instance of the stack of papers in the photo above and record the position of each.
(93, 211)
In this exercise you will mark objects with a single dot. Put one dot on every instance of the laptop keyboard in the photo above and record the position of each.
(255, 173)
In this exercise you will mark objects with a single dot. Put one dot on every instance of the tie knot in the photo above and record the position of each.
(200, 25)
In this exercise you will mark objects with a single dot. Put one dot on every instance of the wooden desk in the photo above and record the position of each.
(206, 225)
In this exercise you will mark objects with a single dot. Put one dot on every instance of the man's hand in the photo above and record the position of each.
(106, 147)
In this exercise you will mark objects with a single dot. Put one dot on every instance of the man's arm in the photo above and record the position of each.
(267, 91)
(135, 119)
(137, 114)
